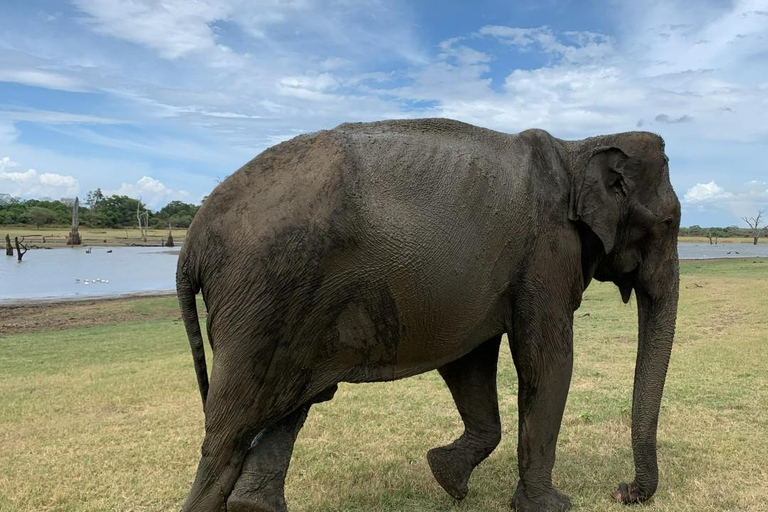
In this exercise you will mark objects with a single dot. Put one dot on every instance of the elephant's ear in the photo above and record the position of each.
(597, 191)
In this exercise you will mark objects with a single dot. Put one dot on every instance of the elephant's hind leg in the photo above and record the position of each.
(472, 382)
(233, 418)
(261, 485)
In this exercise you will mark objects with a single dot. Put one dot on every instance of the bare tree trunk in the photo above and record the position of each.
(74, 234)
(169, 242)
(8, 246)
(142, 228)
(21, 249)
(754, 225)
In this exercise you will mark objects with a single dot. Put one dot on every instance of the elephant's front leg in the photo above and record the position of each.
(542, 348)
(472, 382)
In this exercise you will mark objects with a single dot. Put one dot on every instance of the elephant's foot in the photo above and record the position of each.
(628, 494)
(552, 501)
(263, 494)
(451, 469)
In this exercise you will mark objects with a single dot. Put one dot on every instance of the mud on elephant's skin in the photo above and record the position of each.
(373, 252)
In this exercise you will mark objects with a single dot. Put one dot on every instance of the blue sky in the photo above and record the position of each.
(161, 99)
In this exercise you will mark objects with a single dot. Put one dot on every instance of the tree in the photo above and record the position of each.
(40, 215)
(118, 211)
(93, 199)
(754, 225)
(21, 249)
(178, 213)
(6, 199)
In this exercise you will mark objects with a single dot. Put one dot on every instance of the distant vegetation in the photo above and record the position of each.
(726, 232)
(96, 211)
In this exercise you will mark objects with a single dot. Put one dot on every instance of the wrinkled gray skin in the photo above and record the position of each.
(374, 252)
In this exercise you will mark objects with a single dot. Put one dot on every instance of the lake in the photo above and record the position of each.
(689, 251)
(72, 273)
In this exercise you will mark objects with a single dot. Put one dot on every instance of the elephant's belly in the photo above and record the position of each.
(407, 324)
(365, 350)
(424, 354)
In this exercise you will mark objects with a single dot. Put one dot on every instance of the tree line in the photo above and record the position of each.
(96, 211)
(726, 232)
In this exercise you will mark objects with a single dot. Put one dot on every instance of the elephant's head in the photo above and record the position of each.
(629, 215)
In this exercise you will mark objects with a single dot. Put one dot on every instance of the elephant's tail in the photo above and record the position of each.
(186, 292)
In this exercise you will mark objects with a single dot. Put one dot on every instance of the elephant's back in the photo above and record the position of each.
(293, 181)
(272, 216)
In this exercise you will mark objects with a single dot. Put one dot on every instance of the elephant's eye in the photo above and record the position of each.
(668, 222)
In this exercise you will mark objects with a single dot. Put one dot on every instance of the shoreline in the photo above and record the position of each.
(38, 302)
(719, 260)
(47, 246)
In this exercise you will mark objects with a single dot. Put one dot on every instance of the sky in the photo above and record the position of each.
(161, 99)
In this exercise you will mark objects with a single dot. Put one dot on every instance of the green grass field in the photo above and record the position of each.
(103, 413)
(57, 236)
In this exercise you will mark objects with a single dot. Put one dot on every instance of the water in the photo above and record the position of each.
(62, 273)
(688, 251)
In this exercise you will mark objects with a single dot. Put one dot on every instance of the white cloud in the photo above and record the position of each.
(41, 78)
(33, 184)
(574, 47)
(7, 163)
(172, 27)
(706, 192)
(152, 192)
(54, 117)
(742, 201)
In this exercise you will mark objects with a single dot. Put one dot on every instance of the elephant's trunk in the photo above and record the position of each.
(657, 311)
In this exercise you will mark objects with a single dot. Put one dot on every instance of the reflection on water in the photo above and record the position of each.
(71, 272)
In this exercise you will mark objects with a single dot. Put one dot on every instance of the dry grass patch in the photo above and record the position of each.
(57, 236)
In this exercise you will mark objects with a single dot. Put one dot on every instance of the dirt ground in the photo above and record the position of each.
(41, 316)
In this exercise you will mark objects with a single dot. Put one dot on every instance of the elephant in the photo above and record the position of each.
(378, 251)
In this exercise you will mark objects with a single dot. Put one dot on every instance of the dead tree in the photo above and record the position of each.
(169, 242)
(754, 225)
(143, 218)
(8, 246)
(21, 249)
(74, 234)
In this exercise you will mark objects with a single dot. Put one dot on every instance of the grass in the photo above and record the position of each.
(107, 416)
(57, 236)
